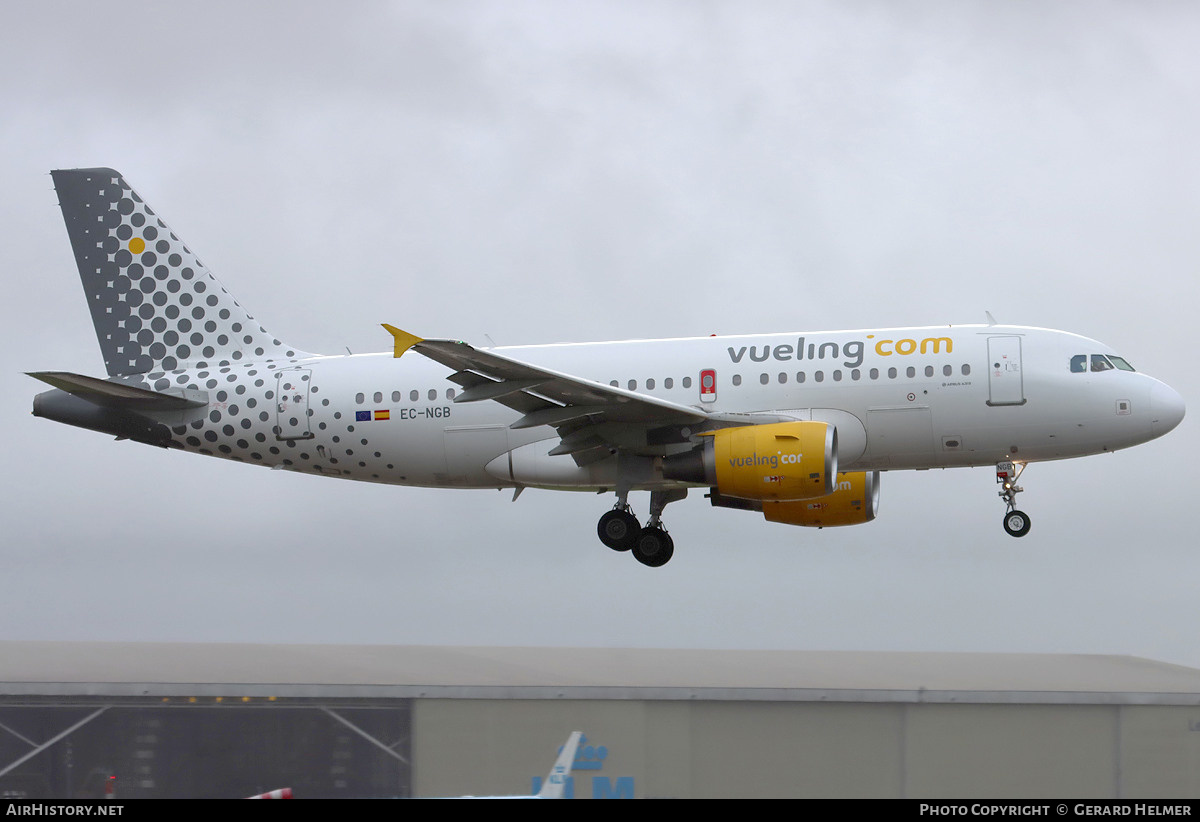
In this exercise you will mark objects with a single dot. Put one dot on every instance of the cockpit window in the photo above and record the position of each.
(1099, 362)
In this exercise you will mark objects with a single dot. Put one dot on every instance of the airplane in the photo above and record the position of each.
(555, 783)
(552, 787)
(797, 426)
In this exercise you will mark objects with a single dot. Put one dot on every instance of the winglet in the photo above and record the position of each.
(403, 339)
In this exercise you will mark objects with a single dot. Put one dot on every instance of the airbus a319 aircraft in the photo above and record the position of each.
(797, 426)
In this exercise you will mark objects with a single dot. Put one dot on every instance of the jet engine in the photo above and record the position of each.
(778, 462)
(855, 500)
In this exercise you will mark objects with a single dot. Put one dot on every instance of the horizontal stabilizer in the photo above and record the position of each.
(116, 395)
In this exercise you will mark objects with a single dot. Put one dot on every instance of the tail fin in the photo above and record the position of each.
(155, 306)
(556, 780)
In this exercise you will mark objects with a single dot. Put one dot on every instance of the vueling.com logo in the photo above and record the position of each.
(852, 351)
(770, 460)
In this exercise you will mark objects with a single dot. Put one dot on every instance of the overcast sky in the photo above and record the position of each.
(542, 172)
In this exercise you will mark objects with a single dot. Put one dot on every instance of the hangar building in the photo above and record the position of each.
(228, 720)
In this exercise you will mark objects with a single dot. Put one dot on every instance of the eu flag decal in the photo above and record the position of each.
(362, 416)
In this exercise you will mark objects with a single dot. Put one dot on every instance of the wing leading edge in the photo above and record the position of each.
(590, 417)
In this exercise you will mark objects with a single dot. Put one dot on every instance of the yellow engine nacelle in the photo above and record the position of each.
(779, 461)
(855, 500)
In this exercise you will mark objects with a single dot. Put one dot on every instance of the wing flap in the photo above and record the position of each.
(542, 395)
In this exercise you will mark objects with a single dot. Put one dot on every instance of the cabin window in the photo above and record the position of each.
(856, 375)
(433, 393)
(819, 376)
(650, 384)
(874, 373)
(737, 379)
(911, 372)
(966, 370)
(764, 379)
(687, 382)
(668, 383)
(837, 376)
(449, 393)
(360, 398)
(414, 395)
(378, 397)
(947, 370)
(632, 385)
(782, 378)
(395, 396)
(929, 371)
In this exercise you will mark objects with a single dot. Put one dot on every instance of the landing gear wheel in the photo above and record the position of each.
(618, 529)
(1016, 523)
(653, 547)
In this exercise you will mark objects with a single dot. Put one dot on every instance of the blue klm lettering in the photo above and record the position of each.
(603, 788)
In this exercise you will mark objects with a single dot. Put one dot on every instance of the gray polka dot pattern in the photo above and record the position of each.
(165, 324)
(155, 306)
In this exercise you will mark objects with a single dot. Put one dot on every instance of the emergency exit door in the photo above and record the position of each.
(1006, 384)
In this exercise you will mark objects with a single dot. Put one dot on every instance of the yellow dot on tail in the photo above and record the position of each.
(137, 245)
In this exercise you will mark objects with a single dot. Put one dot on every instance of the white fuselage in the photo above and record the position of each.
(908, 398)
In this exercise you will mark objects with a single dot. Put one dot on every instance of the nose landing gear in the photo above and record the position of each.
(1016, 523)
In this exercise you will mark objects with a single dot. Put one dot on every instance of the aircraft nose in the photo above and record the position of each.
(1166, 408)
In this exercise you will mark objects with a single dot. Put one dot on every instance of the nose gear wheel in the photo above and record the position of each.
(1016, 523)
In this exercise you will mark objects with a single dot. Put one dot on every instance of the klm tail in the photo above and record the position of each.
(556, 780)
(155, 306)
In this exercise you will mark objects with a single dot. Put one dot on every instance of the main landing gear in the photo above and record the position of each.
(1016, 523)
(620, 530)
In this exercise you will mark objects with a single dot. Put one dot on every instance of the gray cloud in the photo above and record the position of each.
(543, 172)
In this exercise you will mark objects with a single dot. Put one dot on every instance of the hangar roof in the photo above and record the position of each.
(119, 669)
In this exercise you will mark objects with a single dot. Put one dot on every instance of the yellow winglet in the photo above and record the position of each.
(403, 339)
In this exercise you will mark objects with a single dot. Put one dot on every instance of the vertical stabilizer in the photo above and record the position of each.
(556, 780)
(155, 306)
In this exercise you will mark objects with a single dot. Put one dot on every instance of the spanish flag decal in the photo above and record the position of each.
(383, 415)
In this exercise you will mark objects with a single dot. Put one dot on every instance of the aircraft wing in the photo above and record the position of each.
(577, 408)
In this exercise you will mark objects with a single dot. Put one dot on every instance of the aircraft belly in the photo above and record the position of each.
(468, 448)
(900, 437)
